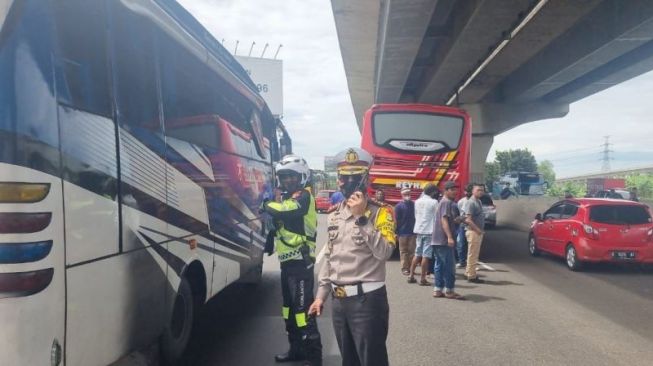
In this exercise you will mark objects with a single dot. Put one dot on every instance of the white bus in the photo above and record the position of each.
(134, 153)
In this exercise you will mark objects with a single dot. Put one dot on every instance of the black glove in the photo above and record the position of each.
(269, 243)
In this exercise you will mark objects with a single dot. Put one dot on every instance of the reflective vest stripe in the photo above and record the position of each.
(300, 319)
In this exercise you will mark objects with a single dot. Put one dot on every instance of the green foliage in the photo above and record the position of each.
(521, 160)
(492, 173)
(559, 189)
(546, 169)
(643, 183)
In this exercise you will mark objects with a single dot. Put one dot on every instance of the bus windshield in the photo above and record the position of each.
(529, 178)
(419, 132)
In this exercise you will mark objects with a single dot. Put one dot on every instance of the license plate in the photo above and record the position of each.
(623, 255)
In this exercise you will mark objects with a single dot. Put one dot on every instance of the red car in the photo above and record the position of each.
(323, 200)
(594, 230)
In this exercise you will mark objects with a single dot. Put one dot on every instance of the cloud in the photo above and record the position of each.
(317, 108)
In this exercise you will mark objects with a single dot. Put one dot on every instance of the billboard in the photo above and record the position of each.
(267, 74)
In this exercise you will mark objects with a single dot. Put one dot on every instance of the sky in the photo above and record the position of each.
(320, 118)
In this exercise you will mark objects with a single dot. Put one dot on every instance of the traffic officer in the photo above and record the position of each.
(361, 239)
(295, 220)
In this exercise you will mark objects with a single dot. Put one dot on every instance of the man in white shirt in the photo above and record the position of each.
(461, 240)
(424, 216)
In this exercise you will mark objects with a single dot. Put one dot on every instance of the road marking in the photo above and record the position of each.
(487, 267)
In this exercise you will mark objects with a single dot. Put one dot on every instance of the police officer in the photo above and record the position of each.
(295, 218)
(361, 239)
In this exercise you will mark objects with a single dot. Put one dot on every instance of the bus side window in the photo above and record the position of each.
(142, 170)
(257, 132)
(88, 140)
(190, 108)
(135, 74)
(82, 70)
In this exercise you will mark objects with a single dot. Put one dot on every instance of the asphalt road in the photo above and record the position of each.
(531, 311)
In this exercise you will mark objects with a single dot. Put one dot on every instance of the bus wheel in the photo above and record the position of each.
(177, 332)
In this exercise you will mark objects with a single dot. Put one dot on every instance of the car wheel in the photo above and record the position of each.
(177, 333)
(532, 246)
(571, 258)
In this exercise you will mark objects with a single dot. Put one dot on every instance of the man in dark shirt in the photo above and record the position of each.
(443, 242)
(405, 214)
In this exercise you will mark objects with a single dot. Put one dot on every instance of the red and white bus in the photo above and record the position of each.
(415, 144)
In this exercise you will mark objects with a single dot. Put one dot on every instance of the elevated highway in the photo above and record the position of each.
(507, 62)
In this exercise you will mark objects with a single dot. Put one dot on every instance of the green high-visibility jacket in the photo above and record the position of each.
(296, 221)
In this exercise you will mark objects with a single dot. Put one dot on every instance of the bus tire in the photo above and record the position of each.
(177, 332)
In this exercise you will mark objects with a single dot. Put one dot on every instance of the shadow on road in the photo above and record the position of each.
(222, 317)
(502, 283)
(482, 298)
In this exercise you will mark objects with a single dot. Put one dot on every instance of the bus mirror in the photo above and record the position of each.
(285, 145)
(538, 217)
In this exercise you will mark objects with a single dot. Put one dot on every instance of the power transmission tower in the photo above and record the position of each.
(606, 154)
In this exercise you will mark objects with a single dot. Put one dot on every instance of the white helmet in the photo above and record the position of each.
(296, 164)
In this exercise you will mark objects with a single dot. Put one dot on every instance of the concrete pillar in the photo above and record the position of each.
(481, 145)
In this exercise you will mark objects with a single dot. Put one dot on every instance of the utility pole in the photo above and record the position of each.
(606, 154)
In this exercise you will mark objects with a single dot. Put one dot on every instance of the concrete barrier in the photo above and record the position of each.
(518, 213)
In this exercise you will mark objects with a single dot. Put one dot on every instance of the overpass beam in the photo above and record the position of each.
(495, 118)
(491, 119)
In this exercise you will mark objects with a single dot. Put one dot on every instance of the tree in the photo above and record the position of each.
(559, 190)
(521, 160)
(545, 168)
(492, 172)
(643, 183)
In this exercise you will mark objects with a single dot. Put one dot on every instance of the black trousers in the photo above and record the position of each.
(361, 326)
(297, 290)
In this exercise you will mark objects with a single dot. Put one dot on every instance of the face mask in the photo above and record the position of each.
(348, 188)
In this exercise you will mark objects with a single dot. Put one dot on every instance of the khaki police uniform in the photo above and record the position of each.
(354, 274)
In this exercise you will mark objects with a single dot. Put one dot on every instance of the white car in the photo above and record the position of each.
(489, 210)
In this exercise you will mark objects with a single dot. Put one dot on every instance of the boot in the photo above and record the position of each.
(313, 348)
(295, 353)
(314, 362)
(290, 356)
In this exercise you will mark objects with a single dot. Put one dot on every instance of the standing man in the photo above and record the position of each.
(295, 221)
(633, 194)
(424, 215)
(361, 239)
(461, 240)
(379, 198)
(335, 199)
(443, 242)
(405, 213)
(475, 221)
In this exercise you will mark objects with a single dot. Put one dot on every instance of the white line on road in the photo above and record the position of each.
(487, 267)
